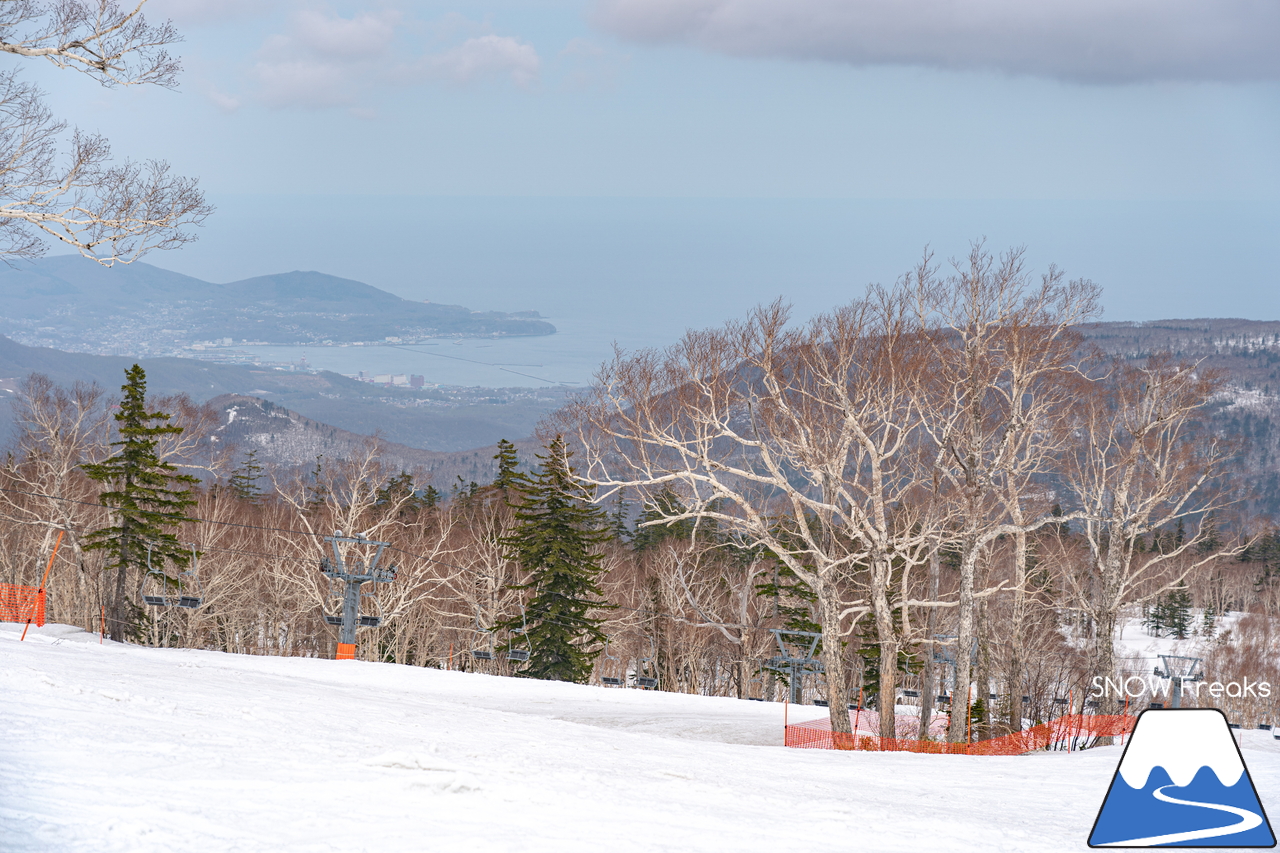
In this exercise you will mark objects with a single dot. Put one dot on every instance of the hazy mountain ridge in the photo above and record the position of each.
(1249, 350)
(451, 421)
(139, 309)
(1247, 410)
(433, 419)
(287, 440)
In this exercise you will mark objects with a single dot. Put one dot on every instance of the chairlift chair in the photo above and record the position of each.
(520, 655)
(483, 654)
(645, 682)
(609, 680)
(185, 601)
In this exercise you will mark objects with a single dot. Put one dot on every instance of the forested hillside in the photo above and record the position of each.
(938, 490)
(1246, 410)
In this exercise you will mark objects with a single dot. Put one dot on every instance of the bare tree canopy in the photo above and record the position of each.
(110, 211)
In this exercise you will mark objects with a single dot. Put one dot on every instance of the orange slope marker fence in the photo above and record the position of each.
(21, 603)
(817, 734)
(26, 604)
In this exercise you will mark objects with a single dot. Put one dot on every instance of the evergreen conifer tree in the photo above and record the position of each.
(1178, 613)
(146, 496)
(509, 478)
(556, 541)
(401, 490)
(244, 479)
(664, 505)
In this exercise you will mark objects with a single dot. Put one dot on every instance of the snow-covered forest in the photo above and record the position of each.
(942, 465)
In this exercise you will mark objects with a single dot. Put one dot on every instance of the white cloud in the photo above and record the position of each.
(485, 57)
(364, 36)
(325, 60)
(304, 83)
(1079, 40)
(223, 101)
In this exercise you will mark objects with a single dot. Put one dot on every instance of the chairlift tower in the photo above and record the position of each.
(797, 658)
(353, 574)
(944, 652)
(1178, 670)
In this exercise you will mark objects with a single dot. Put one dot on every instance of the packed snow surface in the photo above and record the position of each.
(123, 748)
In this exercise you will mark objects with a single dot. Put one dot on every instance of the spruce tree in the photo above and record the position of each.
(1178, 614)
(509, 479)
(146, 497)
(244, 479)
(556, 541)
(650, 533)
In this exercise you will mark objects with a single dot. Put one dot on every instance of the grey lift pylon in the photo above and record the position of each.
(797, 658)
(353, 573)
(1179, 670)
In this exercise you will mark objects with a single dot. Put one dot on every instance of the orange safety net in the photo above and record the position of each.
(817, 734)
(21, 603)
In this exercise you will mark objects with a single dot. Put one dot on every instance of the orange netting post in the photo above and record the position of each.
(40, 594)
(346, 651)
(1071, 701)
(857, 719)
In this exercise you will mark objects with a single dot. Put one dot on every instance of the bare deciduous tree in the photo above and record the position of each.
(110, 211)
(1142, 465)
(801, 441)
(58, 429)
(1003, 372)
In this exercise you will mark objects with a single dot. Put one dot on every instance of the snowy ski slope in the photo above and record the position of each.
(123, 748)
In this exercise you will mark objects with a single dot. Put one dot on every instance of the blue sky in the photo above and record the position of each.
(536, 154)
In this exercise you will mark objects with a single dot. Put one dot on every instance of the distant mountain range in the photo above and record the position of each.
(454, 422)
(441, 420)
(138, 309)
(1248, 354)
(285, 439)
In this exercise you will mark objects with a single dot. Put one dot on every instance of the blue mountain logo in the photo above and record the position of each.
(1182, 782)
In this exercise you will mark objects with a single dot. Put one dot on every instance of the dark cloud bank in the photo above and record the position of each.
(1094, 41)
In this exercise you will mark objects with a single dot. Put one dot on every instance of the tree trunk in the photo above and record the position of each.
(833, 662)
(1104, 628)
(978, 727)
(117, 623)
(958, 730)
(928, 681)
(1017, 631)
(889, 645)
